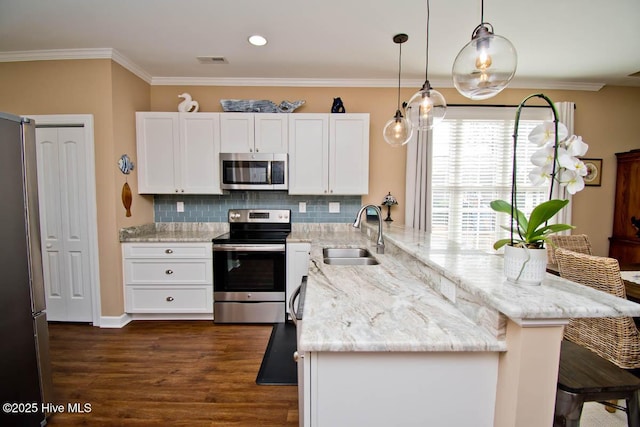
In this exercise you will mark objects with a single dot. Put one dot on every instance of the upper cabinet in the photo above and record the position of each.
(329, 154)
(178, 153)
(253, 133)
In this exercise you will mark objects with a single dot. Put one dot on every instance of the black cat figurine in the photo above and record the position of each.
(338, 106)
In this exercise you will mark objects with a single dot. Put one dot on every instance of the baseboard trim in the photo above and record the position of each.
(115, 321)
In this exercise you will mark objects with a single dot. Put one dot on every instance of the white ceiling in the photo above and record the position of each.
(580, 44)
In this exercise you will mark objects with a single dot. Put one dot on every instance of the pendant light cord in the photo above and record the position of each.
(399, 73)
(426, 68)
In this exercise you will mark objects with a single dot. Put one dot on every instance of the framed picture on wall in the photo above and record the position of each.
(594, 172)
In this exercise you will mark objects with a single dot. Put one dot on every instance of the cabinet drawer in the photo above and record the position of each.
(167, 250)
(167, 299)
(160, 272)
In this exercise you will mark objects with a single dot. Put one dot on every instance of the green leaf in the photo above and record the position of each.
(504, 207)
(543, 213)
(500, 243)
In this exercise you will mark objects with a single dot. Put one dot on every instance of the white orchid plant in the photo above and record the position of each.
(556, 161)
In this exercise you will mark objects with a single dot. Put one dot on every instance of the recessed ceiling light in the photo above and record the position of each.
(257, 40)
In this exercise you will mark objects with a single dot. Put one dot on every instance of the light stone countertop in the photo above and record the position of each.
(481, 275)
(174, 232)
(379, 308)
(397, 305)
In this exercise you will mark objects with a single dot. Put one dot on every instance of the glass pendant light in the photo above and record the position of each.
(427, 107)
(486, 65)
(398, 130)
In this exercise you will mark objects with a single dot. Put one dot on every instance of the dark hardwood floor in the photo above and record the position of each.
(166, 373)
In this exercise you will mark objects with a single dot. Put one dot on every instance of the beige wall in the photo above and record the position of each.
(607, 120)
(111, 94)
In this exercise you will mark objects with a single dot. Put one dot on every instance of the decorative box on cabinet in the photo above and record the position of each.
(249, 133)
(178, 153)
(329, 154)
(168, 278)
(624, 244)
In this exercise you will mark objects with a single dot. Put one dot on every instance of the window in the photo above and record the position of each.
(471, 166)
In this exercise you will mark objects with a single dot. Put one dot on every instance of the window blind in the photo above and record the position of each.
(471, 166)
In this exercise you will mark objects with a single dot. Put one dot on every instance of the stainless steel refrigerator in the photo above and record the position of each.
(25, 368)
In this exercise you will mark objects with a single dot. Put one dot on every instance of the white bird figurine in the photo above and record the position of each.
(187, 106)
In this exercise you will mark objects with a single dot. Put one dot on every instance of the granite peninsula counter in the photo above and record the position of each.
(450, 307)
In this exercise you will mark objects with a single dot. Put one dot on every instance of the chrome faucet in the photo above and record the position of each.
(356, 224)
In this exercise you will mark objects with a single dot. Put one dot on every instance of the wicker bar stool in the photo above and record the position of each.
(614, 339)
(575, 242)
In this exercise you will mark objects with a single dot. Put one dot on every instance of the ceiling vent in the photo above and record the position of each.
(208, 60)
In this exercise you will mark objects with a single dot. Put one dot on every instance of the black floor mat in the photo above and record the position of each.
(278, 366)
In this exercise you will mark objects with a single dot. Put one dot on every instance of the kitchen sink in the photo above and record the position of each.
(351, 261)
(348, 256)
(346, 253)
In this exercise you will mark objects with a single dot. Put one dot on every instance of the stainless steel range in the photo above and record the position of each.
(249, 267)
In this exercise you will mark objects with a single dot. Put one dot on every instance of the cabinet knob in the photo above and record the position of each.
(251, 150)
(182, 191)
(168, 251)
(169, 272)
(257, 150)
(49, 245)
(176, 190)
(169, 299)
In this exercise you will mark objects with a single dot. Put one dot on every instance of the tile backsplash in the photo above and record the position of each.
(214, 208)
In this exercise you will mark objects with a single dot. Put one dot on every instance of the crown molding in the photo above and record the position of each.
(67, 54)
(113, 54)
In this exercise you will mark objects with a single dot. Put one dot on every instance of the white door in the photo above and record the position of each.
(349, 154)
(62, 191)
(236, 133)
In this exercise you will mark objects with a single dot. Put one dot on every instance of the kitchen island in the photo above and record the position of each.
(431, 333)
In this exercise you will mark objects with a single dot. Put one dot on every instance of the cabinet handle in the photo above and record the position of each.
(168, 251)
(169, 272)
(169, 299)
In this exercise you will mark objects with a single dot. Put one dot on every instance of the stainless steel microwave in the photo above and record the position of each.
(253, 171)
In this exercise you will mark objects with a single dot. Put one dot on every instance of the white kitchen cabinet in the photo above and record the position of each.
(297, 258)
(329, 154)
(253, 133)
(344, 389)
(168, 278)
(178, 153)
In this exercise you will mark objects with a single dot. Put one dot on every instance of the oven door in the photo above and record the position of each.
(258, 269)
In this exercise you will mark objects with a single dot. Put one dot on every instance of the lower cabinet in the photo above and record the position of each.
(168, 278)
(344, 389)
